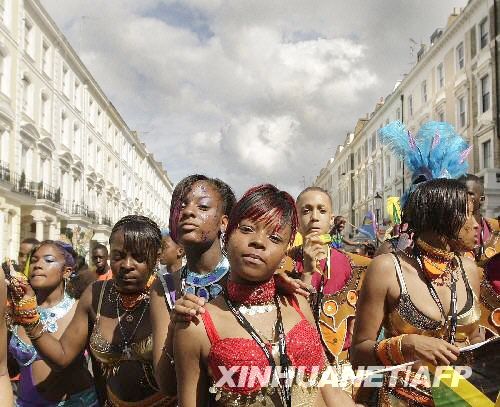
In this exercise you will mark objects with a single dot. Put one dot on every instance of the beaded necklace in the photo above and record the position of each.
(252, 299)
(437, 264)
(204, 285)
(50, 316)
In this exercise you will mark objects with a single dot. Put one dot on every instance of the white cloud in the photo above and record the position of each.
(248, 91)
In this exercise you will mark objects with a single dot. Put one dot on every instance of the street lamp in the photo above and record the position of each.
(378, 204)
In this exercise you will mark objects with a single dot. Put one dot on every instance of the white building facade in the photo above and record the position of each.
(454, 80)
(67, 158)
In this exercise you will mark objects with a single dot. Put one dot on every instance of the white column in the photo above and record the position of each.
(39, 229)
(52, 231)
(15, 232)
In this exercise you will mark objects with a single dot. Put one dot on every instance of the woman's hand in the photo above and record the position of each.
(187, 308)
(19, 288)
(287, 285)
(432, 350)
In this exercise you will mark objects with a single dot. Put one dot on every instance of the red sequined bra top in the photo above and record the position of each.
(303, 348)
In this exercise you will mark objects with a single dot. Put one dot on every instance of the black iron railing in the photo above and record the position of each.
(20, 184)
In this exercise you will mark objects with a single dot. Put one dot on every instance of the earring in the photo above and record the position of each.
(222, 240)
(156, 268)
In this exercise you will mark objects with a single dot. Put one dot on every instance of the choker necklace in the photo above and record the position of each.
(252, 299)
(49, 316)
(204, 285)
(437, 264)
(436, 261)
(129, 302)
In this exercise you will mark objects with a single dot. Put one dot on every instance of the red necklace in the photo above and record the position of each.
(130, 301)
(259, 294)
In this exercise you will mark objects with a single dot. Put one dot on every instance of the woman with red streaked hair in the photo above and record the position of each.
(251, 329)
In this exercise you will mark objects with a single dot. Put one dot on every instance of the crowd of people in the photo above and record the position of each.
(249, 302)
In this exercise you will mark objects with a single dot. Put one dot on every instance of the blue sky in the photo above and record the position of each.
(247, 91)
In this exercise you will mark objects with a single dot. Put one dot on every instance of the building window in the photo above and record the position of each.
(483, 33)
(64, 129)
(460, 56)
(486, 147)
(441, 116)
(374, 142)
(99, 159)
(461, 112)
(99, 120)
(410, 105)
(44, 112)
(45, 57)
(76, 139)
(398, 114)
(440, 75)
(485, 93)
(27, 103)
(28, 34)
(388, 166)
(65, 80)
(90, 154)
(424, 91)
(76, 94)
(91, 112)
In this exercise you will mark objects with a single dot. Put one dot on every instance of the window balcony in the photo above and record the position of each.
(20, 184)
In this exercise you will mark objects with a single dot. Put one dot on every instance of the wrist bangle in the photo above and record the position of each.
(34, 337)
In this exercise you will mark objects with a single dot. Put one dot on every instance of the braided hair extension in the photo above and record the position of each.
(439, 205)
(185, 186)
(141, 235)
(265, 203)
(64, 248)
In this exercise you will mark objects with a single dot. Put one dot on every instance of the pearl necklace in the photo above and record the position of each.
(256, 309)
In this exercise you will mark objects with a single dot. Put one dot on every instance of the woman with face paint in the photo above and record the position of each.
(111, 319)
(50, 265)
(426, 298)
(250, 326)
(198, 218)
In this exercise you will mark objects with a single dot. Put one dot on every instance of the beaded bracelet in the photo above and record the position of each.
(382, 354)
(26, 319)
(28, 302)
(34, 337)
(389, 351)
(399, 356)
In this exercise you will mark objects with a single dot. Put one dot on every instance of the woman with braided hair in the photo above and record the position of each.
(112, 319)
(48, 308)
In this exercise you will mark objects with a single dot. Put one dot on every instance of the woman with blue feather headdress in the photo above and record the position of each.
(400, 317)
(436, 151)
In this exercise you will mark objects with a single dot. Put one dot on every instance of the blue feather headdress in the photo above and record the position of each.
(436, 151)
